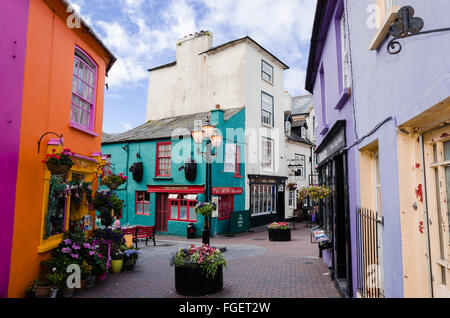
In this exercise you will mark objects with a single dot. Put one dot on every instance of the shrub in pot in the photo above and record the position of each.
(130, 256)
(279, 231)
(198, 270)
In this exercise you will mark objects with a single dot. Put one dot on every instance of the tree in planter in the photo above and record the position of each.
(205, 209)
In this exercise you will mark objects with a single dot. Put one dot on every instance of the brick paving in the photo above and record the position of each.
(257, 268)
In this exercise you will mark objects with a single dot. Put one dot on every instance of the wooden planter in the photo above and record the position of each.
(193, 282)
(279, 235)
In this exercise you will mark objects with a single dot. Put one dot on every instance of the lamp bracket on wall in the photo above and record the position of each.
(405, 26)
(46, 133)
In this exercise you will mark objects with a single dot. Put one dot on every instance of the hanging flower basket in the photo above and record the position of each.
(113, 181)
(57, 169)
(59, 164)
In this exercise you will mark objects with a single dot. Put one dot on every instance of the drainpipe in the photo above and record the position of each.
(425, 212)
(127, 149)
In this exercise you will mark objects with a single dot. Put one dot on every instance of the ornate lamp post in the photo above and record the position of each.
(212, 137)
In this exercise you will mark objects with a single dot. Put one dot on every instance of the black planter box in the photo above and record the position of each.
(279, 235)
(192, 282)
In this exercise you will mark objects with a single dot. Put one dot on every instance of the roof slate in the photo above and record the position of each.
(301, 104)
(163, 128)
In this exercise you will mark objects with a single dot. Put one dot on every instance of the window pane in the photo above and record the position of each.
(74, 84)
(147, 196)
(183, 210)
(447, 150)
(75, 67)
(80, 88)
(174, 210)
(81, 70)
(147, 208)
(139, 207)
(91, 79)
(90, 97)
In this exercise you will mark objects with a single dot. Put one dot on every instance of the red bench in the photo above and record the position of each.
(147, 232)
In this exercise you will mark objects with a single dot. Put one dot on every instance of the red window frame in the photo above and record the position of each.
(190, 204)
(143, 202)
(228, 201)
(159, 157)
(237, 165)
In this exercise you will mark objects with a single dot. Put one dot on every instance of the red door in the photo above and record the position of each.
(161, 212)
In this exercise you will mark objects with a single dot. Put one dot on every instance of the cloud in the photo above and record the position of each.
(125, 126)
(146, 33)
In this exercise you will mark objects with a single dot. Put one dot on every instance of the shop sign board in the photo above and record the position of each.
(227, 190)
(240, 221)
(337, 143)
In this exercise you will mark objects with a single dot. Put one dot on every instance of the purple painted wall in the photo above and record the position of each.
(332, 104)
(399, 87)
(13, 32)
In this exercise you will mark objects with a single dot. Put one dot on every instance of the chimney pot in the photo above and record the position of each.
(217, 106)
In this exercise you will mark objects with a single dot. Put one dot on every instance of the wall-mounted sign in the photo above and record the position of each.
(215, 212)
(227, 190)
(334, 145)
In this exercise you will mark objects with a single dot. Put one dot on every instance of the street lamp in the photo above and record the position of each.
(213, 138)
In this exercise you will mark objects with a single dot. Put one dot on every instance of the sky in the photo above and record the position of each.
(142, 34)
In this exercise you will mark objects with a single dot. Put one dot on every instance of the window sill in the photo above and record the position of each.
(324, 130)
(268, 82)
(50, 244)
(190, 221)
(383, 31)
(342, 99)
(75, 126)
(266, 125)
(162, 178)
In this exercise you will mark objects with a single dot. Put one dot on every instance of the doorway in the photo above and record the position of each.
(161, 212)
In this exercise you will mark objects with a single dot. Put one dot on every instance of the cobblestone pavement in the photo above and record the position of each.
(256, 268)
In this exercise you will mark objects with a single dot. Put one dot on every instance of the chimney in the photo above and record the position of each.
(193, 44)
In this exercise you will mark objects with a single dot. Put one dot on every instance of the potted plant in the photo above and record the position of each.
(113, 181)
(130, 256)
(198, 270)
(205, 209)
(59, 164)
(279, 231)
(117, 261)
(48, 286)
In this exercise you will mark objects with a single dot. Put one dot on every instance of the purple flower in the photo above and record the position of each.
(67, 241)
(91, 253)
(74, 255)
(75, 246)
(66, 250)
(87, 245)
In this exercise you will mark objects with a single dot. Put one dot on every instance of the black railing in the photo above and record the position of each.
(369, 263)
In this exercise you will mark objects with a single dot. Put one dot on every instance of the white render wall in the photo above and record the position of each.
(196, 83)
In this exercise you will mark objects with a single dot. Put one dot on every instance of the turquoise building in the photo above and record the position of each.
(167, 173)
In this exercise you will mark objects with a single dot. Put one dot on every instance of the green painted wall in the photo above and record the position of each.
(123, 155)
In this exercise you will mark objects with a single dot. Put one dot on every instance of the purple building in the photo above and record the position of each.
(379, 71)
(328, 79)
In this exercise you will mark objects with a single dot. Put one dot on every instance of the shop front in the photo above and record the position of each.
(334, 216)
(267, 199)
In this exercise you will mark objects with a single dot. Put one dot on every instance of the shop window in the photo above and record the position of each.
(182, 207)
(163, 159)
(263, 199)
(54, 222)
(266, 71)
(84, 82)
(225, 206)
(142, 203)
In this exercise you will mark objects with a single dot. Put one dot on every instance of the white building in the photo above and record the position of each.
(240, 73)
(300, 144)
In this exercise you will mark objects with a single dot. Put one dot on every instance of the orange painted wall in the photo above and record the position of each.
(46, 107)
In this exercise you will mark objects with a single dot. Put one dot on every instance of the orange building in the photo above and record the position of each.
(64, 70)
